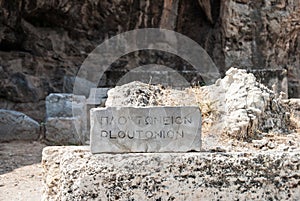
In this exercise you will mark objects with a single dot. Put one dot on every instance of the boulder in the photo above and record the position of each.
(17, 126)
(245, 108)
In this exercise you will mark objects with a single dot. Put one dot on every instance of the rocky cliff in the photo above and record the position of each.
(43, 43)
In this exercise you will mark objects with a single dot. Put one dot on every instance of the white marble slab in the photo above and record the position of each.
(145, 129)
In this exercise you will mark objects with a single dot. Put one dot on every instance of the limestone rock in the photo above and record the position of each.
(294, 109)
(17, 126)
(245, 107)
(73, 173)
(51, 169)
(236, 105)
(141, 94)
(263, 35)
(33, 109)
(134, 94)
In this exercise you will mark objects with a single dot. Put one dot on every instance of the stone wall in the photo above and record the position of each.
(43, 43)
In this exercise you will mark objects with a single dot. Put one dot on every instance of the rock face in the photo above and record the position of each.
(236, 105)
(73, 173)
(17, 126)
(263, 35)
(43, 43)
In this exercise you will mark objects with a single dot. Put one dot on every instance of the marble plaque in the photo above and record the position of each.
(145, 129)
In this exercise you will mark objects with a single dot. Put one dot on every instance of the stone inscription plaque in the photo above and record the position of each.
(146, 129)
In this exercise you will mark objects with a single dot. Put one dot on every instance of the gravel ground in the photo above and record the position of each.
(20, 171)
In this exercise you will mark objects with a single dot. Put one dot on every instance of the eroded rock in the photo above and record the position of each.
(244, 107)
(236, 106)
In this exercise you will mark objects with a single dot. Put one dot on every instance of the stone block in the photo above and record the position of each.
(145, 129)
(97, 96)
(65, 131)
(73, 173)
(17, 126)
(66, 121)
(64, 105)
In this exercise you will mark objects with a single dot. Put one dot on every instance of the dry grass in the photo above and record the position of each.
(295, 121)
(207, 107)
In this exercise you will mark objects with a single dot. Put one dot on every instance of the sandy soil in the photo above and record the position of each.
(20, 171)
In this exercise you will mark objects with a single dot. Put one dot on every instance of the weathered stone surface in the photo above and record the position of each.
(276, 80)
(158, 74)
(244, 107)
(65, 131)
(97, 96)
(145, 129)
(17, 126)
(294, 108)
(236, 105)
(51, 172)
(33, 110)
(263, 35)
(22, 88)
(73, 173)
(43, 44)
(66, 121)
(65, 105)
(139, 94)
